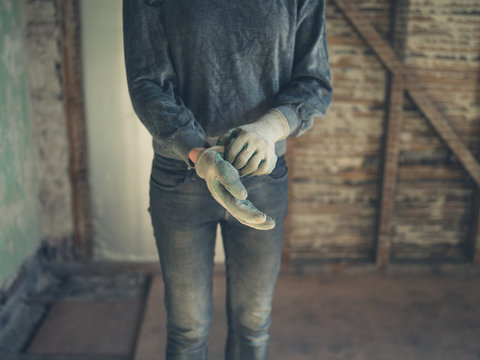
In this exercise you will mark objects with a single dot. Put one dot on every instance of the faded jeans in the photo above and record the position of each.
(185, 217)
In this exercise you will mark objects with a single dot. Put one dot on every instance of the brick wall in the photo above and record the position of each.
(335, 167)
(435, 195)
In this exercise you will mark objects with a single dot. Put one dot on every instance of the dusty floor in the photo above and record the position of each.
(362, 317)
(374, 317)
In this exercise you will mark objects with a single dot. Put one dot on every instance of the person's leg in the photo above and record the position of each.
(253, 260)
(184, 218)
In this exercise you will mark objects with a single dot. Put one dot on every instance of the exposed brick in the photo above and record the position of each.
(334, 167)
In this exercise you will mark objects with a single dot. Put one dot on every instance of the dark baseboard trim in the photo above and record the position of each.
(295, 266)
(62, 357)
(19, 318)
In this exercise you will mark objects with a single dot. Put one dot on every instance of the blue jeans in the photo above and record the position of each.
(185, 217)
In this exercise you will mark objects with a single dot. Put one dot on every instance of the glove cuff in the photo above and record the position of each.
(273, 125)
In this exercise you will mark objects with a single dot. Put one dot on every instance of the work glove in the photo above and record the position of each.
(251, 148)
(224, 184)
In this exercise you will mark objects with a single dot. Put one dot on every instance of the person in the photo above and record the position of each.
(221, 85)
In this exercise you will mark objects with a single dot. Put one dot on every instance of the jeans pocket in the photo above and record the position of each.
(167, 174)
(280, 172)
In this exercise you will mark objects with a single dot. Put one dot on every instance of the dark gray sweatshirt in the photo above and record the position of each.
(197, 68)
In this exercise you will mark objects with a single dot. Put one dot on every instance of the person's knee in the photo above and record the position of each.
(253, 326)
(193, 335)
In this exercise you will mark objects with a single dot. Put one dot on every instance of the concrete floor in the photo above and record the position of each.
(315, 317)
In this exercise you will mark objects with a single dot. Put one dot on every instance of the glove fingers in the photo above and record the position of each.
(268, 224)
(266, 167)
(252, 165)
(235, 147)
(243, 158)
(227, 137)
(230, 178)
(243, 210)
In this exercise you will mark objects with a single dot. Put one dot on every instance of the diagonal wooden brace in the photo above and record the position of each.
(411, 83)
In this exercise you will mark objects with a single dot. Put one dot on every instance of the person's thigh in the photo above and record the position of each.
(253, 260)
(257, 253)
(184, 218)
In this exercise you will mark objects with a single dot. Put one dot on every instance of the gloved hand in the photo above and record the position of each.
(224, 184)
(251, 148)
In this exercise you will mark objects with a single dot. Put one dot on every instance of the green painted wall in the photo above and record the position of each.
(20, 231)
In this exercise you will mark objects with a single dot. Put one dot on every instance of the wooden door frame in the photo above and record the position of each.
(73, 97)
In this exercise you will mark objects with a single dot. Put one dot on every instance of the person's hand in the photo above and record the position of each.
(251, 148)
(224, 184)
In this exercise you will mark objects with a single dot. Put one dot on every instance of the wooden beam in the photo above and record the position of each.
(413, 86)
(393, 129)
(443, 128)
(77, 135)
(390, 167)
(473, 250)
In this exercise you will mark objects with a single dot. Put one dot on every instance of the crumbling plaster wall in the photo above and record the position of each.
(20, 230)
(35, 194)
(49, 124)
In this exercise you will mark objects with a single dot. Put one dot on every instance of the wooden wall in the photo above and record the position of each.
(435, 195)
(336, 168)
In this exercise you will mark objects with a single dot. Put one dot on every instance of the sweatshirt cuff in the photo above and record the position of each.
(185, 139)
(291, 115)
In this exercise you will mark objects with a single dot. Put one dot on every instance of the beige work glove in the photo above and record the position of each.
(224, 184)
(251, 148)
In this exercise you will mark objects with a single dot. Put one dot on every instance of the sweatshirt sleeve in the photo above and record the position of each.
(151, 80)
(310, 91)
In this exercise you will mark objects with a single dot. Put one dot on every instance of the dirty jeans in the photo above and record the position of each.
(185, 217)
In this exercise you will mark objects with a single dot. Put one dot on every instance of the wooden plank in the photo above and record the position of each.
(418, 94)
(76, 126)
(62, 357)
(89, 327)
(390, 170)
(308, 263)
(393, 129)
(102, 268)
(151, 341)
(444, 129)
